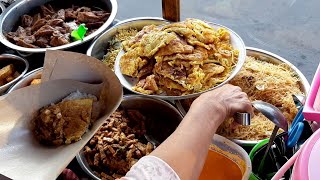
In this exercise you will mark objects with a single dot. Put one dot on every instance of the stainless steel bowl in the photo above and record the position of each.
(235, 40)
(20, 64)
(166, 118)
(26, 79)
(268, 57)
(13, 13)
(100, 45)
(2, 8)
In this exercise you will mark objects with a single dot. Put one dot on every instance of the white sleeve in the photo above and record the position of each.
(151, 168)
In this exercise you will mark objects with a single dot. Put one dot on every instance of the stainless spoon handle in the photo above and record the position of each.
(272, 137)
(242, 118)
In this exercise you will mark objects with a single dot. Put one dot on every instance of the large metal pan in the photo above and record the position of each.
(271, 58)
(11, 16)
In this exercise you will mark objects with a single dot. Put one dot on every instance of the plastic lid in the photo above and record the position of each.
(307, 164)
(309, 111)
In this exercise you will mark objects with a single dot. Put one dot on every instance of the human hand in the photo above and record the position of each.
(222, 102)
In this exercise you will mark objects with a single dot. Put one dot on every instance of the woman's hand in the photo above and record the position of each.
(223, 102)
(187, 147)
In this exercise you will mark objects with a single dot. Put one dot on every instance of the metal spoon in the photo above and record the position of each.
(274, 115)
(299, 100)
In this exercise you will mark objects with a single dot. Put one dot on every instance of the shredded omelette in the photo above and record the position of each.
(264, 81)
(115, 45)
(178, 58)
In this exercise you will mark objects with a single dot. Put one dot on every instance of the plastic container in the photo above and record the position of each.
(231, 147)
(306, 161)
(309, 111)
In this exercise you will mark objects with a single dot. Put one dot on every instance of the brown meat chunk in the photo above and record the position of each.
(61, 14)
(70, 14)
(55, 22)
(26, 20)
(47, 10)
(90, 17)
(94, 24)
(58, 39)
(45, 30)
(38, 24)
(36, 17)
(22, 43)
(118, 144)
(42, 41)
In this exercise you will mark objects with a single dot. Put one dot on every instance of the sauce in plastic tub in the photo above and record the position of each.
(221, 165)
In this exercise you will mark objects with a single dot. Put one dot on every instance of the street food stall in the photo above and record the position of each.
(90, 87)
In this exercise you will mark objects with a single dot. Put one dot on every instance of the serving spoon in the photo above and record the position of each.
(274, 115)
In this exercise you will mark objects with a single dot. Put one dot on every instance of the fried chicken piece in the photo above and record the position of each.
(130, 63)
(169, 85)
(146, 70)
(132, 42)
(199, 54)
(175, 73)
(152, 42)
(148, 85)
(64, 122)
(212, 69)
(177, 45)
(77, 116)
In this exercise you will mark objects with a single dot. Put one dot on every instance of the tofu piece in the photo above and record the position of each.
(35, 81)
(6, 71)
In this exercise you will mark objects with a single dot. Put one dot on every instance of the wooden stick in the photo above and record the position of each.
(171, 10)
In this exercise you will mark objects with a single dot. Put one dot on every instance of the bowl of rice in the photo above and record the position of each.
(264, 76)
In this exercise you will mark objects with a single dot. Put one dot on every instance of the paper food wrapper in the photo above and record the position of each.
(21, 155)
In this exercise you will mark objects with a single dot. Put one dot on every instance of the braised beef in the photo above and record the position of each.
(38, 24)
(90, 17)
(50, 26)
(42, 41)
(26, 21)
(44, 31)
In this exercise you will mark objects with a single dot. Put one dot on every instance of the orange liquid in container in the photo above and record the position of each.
(219, 167)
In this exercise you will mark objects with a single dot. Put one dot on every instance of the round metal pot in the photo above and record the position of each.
(12, 14)
(26, 79)
(165, 120)
(21, 65)
(2, 8)
(268, 57)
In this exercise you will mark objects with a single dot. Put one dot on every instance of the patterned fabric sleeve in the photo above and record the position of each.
(151, 168)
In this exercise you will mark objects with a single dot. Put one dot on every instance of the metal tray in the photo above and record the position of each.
(268, 57)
